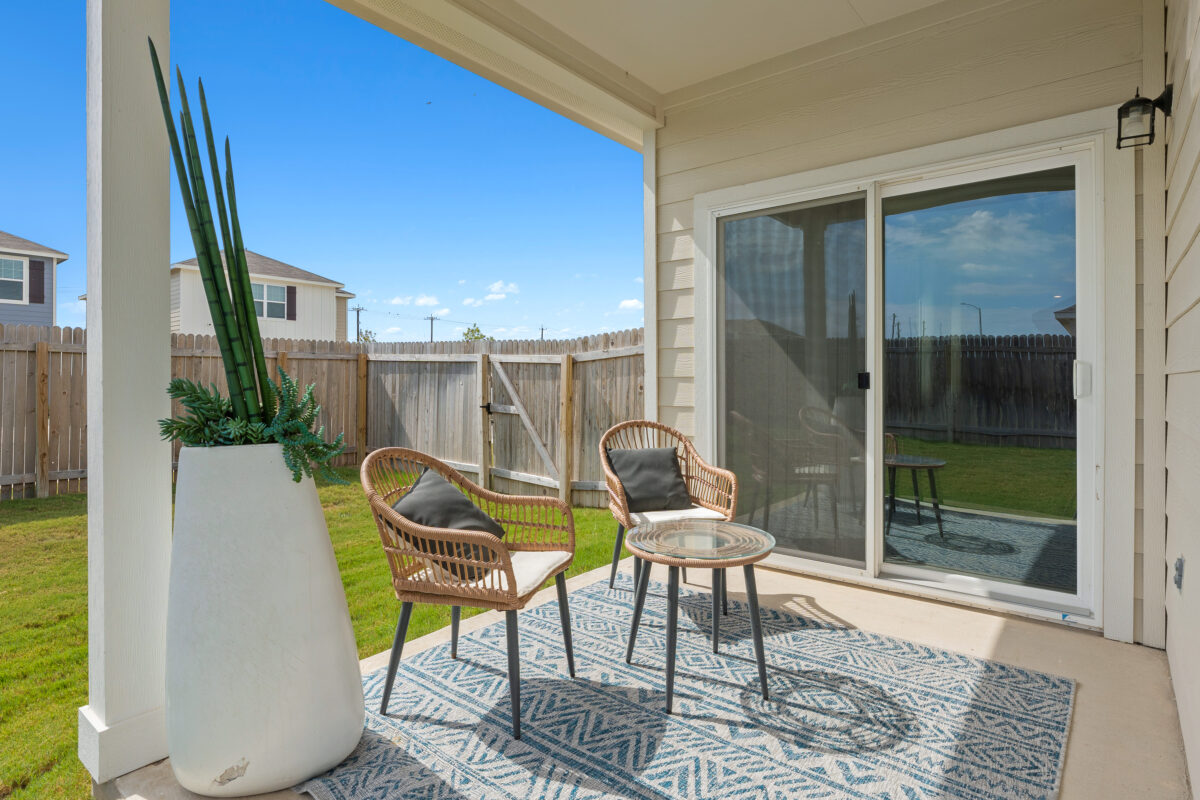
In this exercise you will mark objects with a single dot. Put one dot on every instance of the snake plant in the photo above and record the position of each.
(257, 411)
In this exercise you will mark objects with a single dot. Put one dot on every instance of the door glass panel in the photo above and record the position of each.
(979, 412)
(791, 310)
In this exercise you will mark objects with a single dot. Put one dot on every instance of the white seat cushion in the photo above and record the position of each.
(695, 512)
(531, 568)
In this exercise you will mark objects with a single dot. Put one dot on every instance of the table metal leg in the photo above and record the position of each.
(683, 572)
(717, 575)
(916, 494)
(672, 630)
(891, 500)
(724, 594)
(937, 508)
(455, 616)
(639, 599)
(755, 628)
(514, 669)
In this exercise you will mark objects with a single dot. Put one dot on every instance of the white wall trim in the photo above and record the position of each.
(650, 273)
(109, 751)
(1154, 345)
(1110, 594)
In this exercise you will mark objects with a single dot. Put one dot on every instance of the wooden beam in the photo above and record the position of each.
(41, 464)
(281, 361)
(485, 422)
(361, 431)
(566, 427)
(525, 477)
(464, 358)
(500, 408)
(528, 358)
(526, 421)
(616, 352)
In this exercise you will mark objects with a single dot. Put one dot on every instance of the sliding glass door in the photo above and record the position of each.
(791, 292)
(902, 378)
(980, 343)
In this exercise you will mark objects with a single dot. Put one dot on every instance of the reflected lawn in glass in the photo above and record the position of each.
(1027, 481)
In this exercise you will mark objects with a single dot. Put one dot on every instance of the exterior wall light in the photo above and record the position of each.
(1135, 118)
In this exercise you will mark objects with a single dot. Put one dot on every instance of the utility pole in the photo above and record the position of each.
(431, 319)
(543, 333)
(980, 310)
(357, 326)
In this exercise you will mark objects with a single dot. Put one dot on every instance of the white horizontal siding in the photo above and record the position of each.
(316, 310)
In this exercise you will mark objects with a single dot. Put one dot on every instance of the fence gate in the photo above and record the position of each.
(527, 423)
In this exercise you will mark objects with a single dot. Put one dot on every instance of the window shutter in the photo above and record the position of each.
(37, 282)
(291, 302)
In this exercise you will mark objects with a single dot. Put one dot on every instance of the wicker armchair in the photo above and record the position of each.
(431, 565)
(713, 490)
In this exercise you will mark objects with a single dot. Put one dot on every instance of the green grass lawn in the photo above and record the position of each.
(43, 622)
(1015, 480)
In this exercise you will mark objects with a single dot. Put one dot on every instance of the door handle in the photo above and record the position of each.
(1081, 379)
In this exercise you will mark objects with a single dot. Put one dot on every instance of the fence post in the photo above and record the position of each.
(361, 442)
(41, 466)
(485, 423)
(566, 428)
(281, 361)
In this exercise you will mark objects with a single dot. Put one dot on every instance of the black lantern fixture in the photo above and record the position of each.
(1135, 118)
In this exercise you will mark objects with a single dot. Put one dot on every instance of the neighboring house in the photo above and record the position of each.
(292, 303)
(27, 271)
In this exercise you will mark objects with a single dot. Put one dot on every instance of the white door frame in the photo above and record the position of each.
(1102, 202)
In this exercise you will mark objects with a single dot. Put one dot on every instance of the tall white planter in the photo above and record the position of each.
(263, 684)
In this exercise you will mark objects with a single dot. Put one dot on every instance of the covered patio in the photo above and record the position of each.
(761, 114)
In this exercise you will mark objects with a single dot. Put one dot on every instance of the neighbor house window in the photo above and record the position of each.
(12, 280)
(270, 300)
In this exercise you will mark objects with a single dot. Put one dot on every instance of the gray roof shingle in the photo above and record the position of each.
(10, 242)
(262, 265)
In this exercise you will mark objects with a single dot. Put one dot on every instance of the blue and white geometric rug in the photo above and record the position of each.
(851, 715)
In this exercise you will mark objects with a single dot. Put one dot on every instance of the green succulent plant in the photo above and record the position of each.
(257, 410)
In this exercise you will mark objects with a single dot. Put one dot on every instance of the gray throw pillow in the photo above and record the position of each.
(436, 503)
(652, 479)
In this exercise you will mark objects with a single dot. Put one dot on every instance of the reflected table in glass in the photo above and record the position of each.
(915, 464)
(700, 544)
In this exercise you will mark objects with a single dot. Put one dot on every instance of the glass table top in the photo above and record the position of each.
(700, 539)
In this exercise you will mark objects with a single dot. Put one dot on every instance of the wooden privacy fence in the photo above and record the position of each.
(532, 411)
(1014, 390)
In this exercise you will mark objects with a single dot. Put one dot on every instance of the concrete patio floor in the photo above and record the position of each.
(1125, 740)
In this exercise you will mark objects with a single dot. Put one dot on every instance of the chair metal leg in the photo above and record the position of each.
(916, 494)
(514, 670)
(756, 627)
(639, 600)
(616, 554)
(455, 616)
(717, 575)
(638, 566)
(564, 616)
(397, 649)
(672, 630)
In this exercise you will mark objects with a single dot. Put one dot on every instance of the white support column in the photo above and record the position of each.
(129, 364)
(650, 272)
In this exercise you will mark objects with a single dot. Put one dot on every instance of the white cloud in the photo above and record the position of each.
(639, 279)
(629, 305)
(462, 281)
(427, 300)
(441, 312)
(400, 301)
(502, 288)
(392, 330)
(495, 296)
(472, 302)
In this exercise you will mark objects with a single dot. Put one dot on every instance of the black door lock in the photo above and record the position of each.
(864, 380)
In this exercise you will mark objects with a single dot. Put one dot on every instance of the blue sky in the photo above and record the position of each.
(1013, 256)
(422, 187)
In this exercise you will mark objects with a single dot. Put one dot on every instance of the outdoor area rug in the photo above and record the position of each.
(851, 715)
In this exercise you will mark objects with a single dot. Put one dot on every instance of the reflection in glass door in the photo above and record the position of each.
(979, 329)
(791, 296)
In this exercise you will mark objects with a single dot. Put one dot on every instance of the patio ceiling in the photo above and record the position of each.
(614, 66)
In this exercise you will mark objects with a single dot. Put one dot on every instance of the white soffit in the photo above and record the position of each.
(670, 45)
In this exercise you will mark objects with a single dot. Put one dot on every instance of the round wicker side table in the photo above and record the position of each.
(700, 544)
